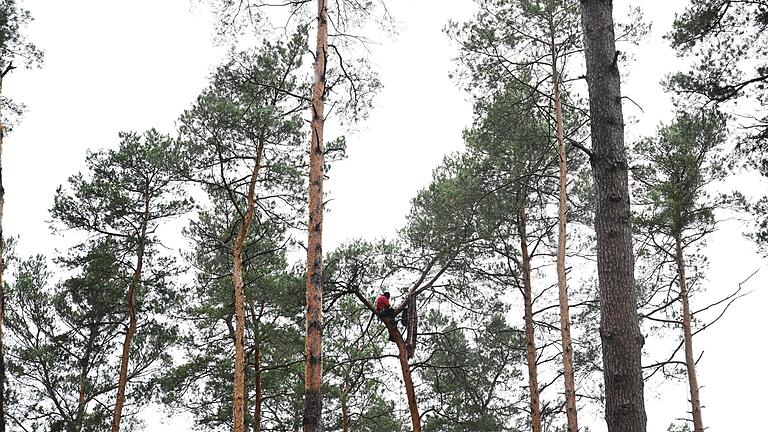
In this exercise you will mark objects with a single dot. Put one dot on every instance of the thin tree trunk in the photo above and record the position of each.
(2, 269)
(238, 385)
(410, 391)
(344, 402)
(619, 325)
(313, 399)
(690, 363)
(530, 339)
(565, 320)
(135, 280)
(84, 367)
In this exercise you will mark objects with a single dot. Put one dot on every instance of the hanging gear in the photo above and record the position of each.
(412, 320)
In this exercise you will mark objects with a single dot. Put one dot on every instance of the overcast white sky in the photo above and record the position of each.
(119, 65)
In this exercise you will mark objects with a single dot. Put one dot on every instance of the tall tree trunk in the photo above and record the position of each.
(565, 320)
(530, 339)
(2, 269)
(313, 399)
(690, 363)
(135, 280)
(619, 325)
(238, 385)
(410, 391)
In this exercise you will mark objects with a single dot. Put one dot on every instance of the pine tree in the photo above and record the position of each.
(124, 196)
(676, 213)
(202, 382)
(508, 147)
(351, 84)
(531, 43)
(63, 336)
(313, 398)
(728, 40)
(14, 47)
(241, 143)
(620, 333)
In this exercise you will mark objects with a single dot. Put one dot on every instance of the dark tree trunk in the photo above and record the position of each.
(619, 325)
(313, 399)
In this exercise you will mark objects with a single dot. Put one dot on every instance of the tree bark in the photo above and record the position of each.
(314, 320)
(690, 363)
(565, 320)
(410, 391)
(530, 339)
(129, 334)
(238, 385)
(619, 325)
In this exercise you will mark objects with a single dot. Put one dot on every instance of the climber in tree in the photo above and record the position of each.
(383, 308)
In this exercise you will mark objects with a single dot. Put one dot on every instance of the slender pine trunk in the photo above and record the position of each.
(313, 399)
(620, 333)
(410, 390)
(530, 339)
(344, 403)
(131, 332)
(565, 320)
(690, 362)
(238, 385)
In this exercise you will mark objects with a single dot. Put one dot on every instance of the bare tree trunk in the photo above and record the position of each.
(131, 332)
(565, 320)
(238, 385)
(410, 391)
(530, 339)
(690, 363)
(313, 399)
(619, 325)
